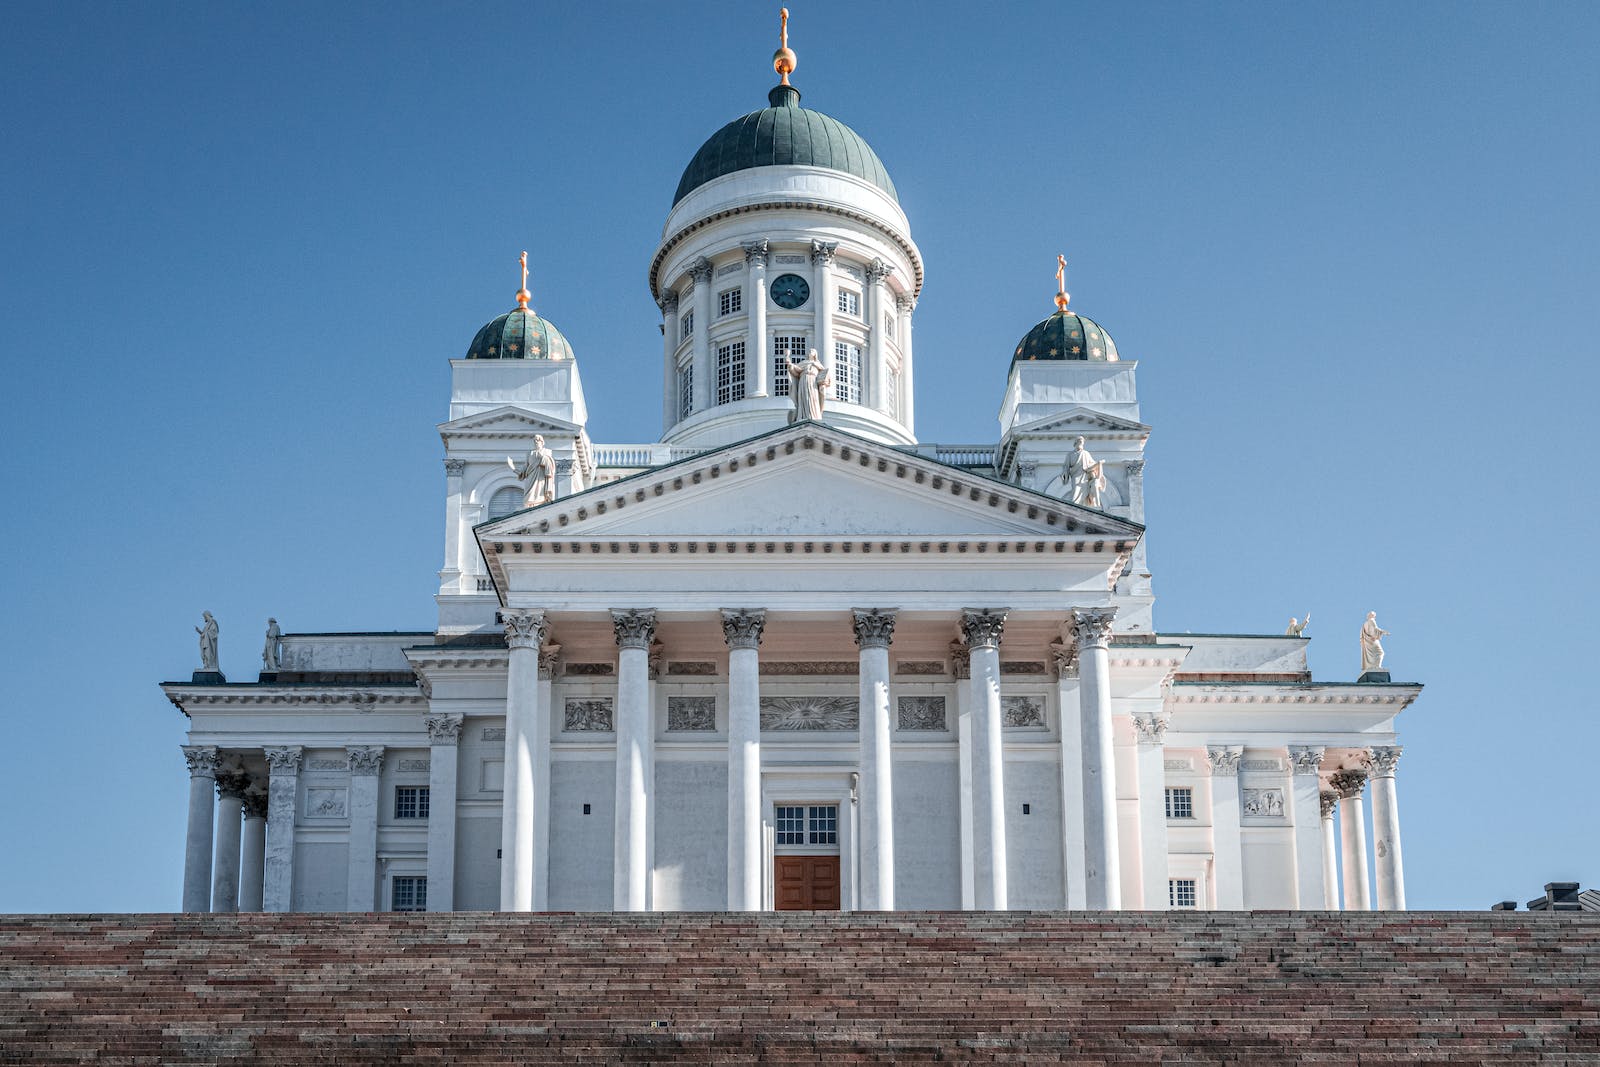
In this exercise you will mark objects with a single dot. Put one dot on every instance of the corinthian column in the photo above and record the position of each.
(1226, 844)
(874, 630)
(1330, 851)
(757, 354)
(669, 359)
(366, 763)
(700, 271)
(1380, 764)
(444, 738)
(283, 797)
(1152, 768)
(525, 632)
(961, 669)
(1307, 762)
(630, 842)
(822, 259)
(253, 851)
(906, 304)
(877, 356)
(1353, 831)
(742, 630)
(231, 785)
(203, 763)
(1074, 892)
(1102, 853)
(981, 629)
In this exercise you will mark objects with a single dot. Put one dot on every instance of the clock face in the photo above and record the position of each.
(790, 291)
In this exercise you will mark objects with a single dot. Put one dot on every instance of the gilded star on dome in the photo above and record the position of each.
(512, 347)
(491, 350)
(1076, 349)
(1055, 351)
(1094, 351)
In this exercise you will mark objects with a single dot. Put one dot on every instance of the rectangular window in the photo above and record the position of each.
(824, 828)
(849, 302)
(730, 372)
(847, 372)
(730, 301)
(891, 386)
(686, 324)
(791, 825)
(888, 325)
(1180, 803)
(411, 802)
(785, 349)
(1181, 893)
(409, 893)
(685, 391)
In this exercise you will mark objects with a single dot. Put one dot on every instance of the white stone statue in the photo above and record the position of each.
(810, 380)
(1371, 645)
(274, 645)
(208, 643)
(1297, 627)
(538, 474)
(1082, 477)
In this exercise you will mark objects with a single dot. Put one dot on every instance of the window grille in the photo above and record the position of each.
(409, 893)
(888, 325)
(849, 302)
(1181, 893)
(847, 372)
(1180, 803)
(685, 391)
(824, 828)
(505, 500)
(791, 825)
(785, 349)
(730, 301)
(411, 802)
(686, 324)
(730, 372)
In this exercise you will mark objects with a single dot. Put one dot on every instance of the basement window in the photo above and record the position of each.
(409, 893)
(1181, 893)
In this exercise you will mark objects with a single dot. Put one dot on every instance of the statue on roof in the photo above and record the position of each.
(273, 648)
(811, 379)
(1297, 627)
(1371, 643)
(208, 643)
(537, 474)
(1083, 477)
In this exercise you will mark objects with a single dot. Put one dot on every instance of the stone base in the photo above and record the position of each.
(207, 678)
(1373, 676)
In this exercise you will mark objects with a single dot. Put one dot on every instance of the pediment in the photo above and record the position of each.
(1079, 419)
(808, 482)
(508, 420)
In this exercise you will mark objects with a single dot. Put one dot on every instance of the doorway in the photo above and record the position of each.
(805, 866)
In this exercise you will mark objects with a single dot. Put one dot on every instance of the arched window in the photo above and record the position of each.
(505, 500)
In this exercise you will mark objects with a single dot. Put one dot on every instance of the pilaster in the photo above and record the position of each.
(366, 764)
(444, 738)
(283, 799)
(1151, 733)
(1226, 843)
(1305, 807)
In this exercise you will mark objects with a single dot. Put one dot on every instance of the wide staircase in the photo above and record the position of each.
(1264, 987)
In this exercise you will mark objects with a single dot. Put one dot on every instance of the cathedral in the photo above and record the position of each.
(791, 654)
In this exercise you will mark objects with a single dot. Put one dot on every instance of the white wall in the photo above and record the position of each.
(580, 845)
(691, 843)
(927, 833)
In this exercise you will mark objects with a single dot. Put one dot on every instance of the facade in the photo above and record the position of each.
(790, 655)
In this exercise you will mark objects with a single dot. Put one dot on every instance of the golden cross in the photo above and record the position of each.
(523, 259)
(783, 27)
(1061, 273)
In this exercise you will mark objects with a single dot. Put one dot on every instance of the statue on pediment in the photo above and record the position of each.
(1297, 627)
(811, 379)
(537, 474)
(1083, 478)
(1371, 643)
(208, 643)
(271, 651)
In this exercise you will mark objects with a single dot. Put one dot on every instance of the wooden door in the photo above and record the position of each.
(807, 883)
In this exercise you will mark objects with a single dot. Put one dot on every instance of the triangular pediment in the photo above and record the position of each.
(1080, 419)
(507, 420)
(808, 481)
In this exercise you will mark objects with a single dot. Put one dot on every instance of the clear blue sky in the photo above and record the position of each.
(1352, 246)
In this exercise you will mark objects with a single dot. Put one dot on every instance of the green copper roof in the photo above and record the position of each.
(784, 134)
(519, 334)
(1067, 335)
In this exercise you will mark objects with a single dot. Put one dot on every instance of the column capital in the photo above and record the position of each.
(656, 661)
(1135, 468)
(822, 253)
(284, 760)
(1064, 658)
(874, 627)
(982, 627)
(1224, 760)
(634, 627)
(905, 303)
(1092, 626)
(549, 660)
(668, 302)
(203, 760)
(1380, 761)
(524, 629)
(742, 628)
(878, 271)
(232, 783)
(453, 467)
(755, 252)
(255, 805)
(960, 661)
(1329, 802)
(443, 729)
(1307, 759)
(1348, 784)
(367, 760)
(700, 271)
(1152, 729)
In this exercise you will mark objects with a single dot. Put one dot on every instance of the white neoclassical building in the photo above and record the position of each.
(778, 661)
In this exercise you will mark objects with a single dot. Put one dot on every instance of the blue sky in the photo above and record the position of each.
(1352, 246)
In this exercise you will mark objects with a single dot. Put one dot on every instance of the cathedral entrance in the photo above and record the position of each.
(805, 875)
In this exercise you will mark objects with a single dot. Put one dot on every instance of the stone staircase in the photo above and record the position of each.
(1264, 987)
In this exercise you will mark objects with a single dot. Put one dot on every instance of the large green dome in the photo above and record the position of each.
(784, 134)
(1067, 335)
(519, 334)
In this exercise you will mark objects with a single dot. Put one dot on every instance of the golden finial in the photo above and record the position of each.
(783, 59)
(1061, 283)
(523, 296)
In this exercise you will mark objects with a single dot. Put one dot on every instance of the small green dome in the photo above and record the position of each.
(784, 134)
(1067, 335)
(519, 334)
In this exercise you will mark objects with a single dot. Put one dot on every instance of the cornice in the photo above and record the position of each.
(445, 658)
(360, 698)
(1330, 695)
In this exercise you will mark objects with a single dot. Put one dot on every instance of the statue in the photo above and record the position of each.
(1371, 645)
(1297, 627)
(538, 474)
(810, 380)
(1082, 477)
(269, 654)
(208, 643)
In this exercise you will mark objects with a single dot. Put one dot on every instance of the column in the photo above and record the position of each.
(549, 668)
(1102, 853)
(203, 762)
(961, 667)
(1306, 805)
(450, 575)
(1330, 851)
(1380, 764)
(1072, 825)
(1152, 768)
(1353, 834)
(742, 630)
(444, 738)
(982, 629)
(757, 351)
(283, 800)
(231, 784)
(1226, 847)
(906, 304)
(877, 356)
(700, 271)
(525, 632)
(669, 359)
(361, 891)
(253, 850)
(630, 842)
(822, 258)
(874, 629)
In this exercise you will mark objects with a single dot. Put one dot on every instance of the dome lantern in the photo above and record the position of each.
(520, 333)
